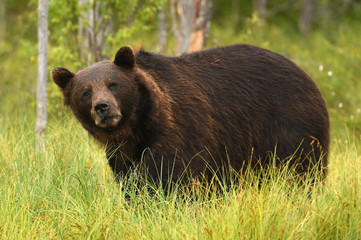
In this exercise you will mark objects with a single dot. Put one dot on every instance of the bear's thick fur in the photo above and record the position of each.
(202, 112)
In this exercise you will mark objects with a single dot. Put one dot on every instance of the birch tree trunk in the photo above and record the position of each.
(162, 41)
(201, 25)
(191, 22)
(92, 30)
(84, 33)
(42, 77)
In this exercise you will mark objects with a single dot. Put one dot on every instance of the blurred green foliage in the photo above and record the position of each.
(330, 54)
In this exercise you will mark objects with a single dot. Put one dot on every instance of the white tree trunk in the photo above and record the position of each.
(162, 41)
(183, 12)
(42, 76)
(202, 23)
(92, 31)
(190, 22)
(85, 31)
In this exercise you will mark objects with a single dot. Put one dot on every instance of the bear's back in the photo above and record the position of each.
(241, 98)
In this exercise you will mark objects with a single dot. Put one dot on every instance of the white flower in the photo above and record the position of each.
(358, 110)
(320, 68)
(340, 105)
(329, 73)
(352, 117)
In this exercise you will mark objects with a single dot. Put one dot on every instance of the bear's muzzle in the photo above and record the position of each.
(104, 115)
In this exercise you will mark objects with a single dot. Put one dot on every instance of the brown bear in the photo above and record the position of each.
(200, 113)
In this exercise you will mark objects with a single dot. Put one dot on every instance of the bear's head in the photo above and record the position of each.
(101, 96)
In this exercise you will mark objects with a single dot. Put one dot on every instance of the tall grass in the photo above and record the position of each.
(68, 192)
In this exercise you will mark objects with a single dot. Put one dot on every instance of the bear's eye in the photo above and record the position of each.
(86, 94)
(112, 86)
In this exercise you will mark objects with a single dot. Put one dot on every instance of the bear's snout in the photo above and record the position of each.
(102, 108)
(106, 114)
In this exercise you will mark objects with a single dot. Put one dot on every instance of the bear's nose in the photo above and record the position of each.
(101, 108)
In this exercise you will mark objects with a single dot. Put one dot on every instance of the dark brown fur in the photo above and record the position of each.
(234, 104)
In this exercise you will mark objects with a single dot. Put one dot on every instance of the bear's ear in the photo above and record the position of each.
(62, 76)
(125, 57)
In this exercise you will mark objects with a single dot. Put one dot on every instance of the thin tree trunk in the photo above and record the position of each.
(84, 31)
(92, 28)
(201, 25)
(183, 12)
(190, 22)
(42, 77)
(162, 41)
(307, 16)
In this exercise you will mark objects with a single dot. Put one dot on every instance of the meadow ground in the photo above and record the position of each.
(68, 192)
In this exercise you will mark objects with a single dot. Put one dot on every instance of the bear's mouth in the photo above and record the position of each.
(109, 121)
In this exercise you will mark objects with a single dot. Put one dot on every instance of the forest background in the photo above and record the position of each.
(325, 44)
(69, 192)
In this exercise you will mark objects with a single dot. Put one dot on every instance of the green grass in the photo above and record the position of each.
(68, 191)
